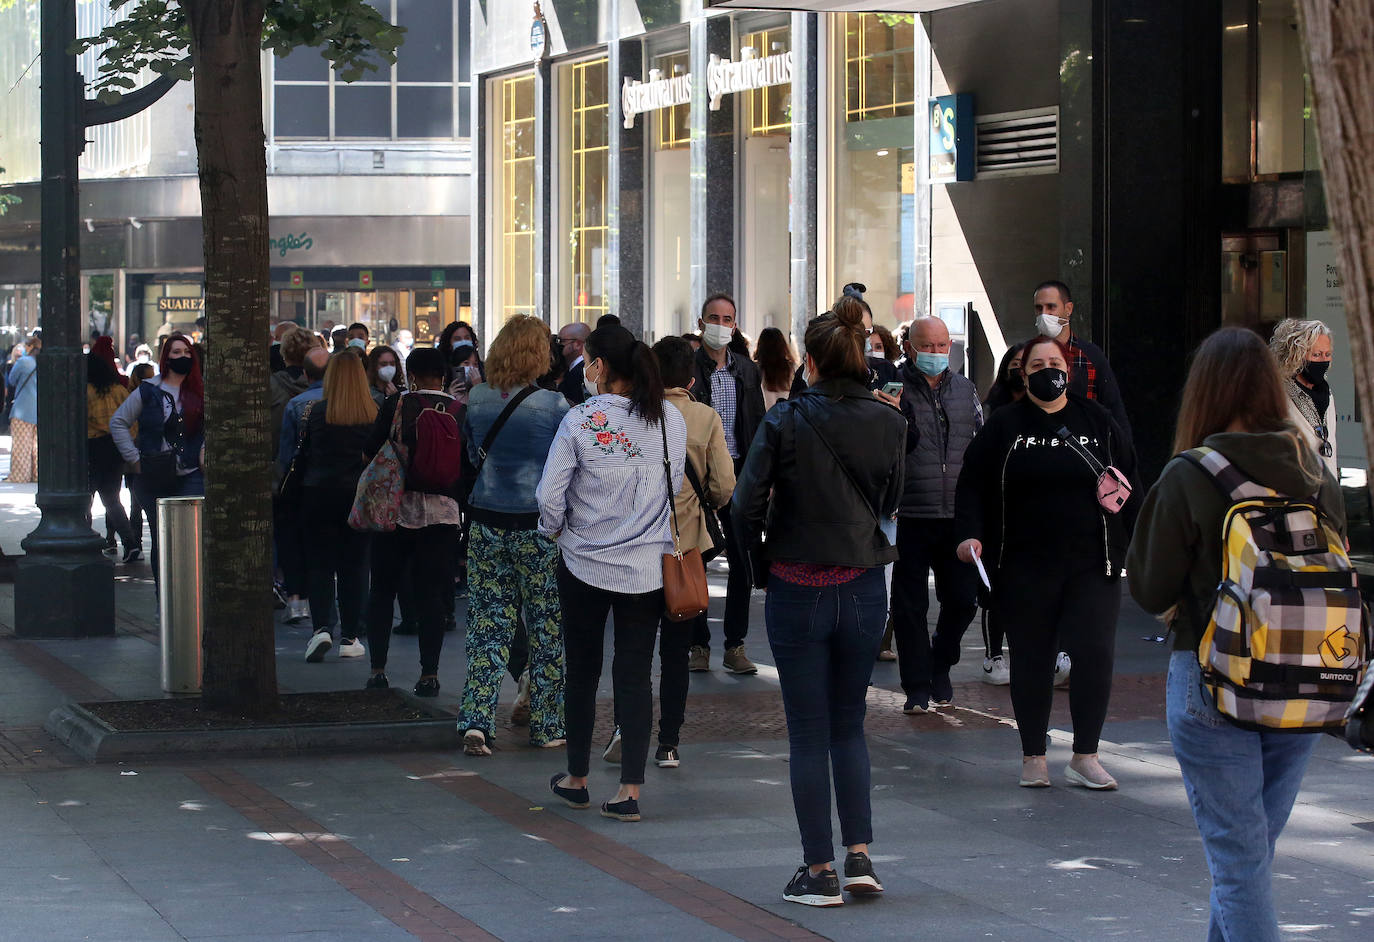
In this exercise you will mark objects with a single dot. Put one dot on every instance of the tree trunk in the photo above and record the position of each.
(239, 645)
(1340, 59)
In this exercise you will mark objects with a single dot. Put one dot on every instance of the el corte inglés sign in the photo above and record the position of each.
(723, 77)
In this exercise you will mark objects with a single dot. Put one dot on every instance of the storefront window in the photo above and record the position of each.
(586, 117)
(767, 234)
(99, 305)
(872, 209)
(670, 270)
(514, 146)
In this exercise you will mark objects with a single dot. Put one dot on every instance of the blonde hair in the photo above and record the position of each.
(295, 344)
(1292, 342)
(346, 391)
(520, 354)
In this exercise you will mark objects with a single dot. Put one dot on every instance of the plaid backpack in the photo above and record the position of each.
(1287, 639)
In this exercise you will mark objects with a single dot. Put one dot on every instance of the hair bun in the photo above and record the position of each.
(849, 311)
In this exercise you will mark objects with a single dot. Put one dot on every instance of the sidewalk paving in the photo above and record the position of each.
(443, 846)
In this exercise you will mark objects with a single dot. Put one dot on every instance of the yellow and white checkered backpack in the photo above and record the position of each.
(1288, 638)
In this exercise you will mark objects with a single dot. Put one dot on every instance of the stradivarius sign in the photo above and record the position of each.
(723, 77)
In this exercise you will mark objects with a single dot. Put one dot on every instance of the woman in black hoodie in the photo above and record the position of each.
(1026, 505)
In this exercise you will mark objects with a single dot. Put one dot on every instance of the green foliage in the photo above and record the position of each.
(6, 199)
(155, 35)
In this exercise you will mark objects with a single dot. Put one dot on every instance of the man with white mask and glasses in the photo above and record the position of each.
(1092, 375)
(731, 385)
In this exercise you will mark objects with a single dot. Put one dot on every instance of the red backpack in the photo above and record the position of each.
(436, 458)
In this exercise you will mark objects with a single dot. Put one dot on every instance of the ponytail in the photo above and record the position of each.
(631, 361)
(647, 380)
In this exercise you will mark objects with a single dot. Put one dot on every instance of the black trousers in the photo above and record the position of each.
(674, 642)
(585, 608)
(428, 554)
(288, 530)
(1052, 605)
(926, 545)
(106, 472)
(738, 587)
(336, 561)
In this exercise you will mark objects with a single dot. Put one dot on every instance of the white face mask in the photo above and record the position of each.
(386, 373)
(716, 336)
(1048, 325)
(588, 383)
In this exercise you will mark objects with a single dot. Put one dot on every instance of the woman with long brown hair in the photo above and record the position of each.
(776, 364)
(334, 431)
(1241, 783)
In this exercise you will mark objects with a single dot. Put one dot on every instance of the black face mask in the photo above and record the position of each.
(1048, 384)
(1315, 370)
(1016, 382)
(179, 365)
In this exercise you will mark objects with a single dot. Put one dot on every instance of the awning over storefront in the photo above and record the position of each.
(841, 6)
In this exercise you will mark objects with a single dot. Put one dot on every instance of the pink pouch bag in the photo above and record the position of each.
(1113, 488)
(377, 501)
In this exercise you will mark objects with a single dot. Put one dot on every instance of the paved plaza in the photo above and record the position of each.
(437, 845)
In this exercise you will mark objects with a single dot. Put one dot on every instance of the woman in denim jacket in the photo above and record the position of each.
(510, 564)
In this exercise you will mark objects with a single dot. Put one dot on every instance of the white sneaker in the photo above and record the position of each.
(297, 610)
(319, 645)
(996, 671)
(1062, 666)
(353, 648)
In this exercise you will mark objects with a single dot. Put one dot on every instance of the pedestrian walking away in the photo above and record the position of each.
(329, 462)
(104, 464)
(946, 414)
(1241, 783)
(709, 481)
(23, 380)
(1028, 508)
(170, 414)
(826, 606)
(604, 497)
(426, 531)
(730, 383)
(509, 428)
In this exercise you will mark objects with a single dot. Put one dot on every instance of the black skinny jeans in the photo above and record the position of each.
(106, 472)
(926, 545)
(585, 608)
(428, 554)
(1054, 605)
(336, 551)
(289, 532)
(674, 642)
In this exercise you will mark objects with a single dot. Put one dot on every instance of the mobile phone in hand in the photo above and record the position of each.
(892, 389)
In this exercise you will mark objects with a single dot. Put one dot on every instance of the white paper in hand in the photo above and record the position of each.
(982, 573)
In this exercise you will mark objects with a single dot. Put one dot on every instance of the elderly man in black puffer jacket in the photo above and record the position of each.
(945, 410)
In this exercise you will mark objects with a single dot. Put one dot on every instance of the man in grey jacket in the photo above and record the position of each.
(946, 412)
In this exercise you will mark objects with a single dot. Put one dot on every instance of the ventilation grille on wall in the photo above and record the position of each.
(1018, 142)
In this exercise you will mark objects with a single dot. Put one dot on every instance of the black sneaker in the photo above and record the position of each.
(132, 554)
(377, 682)
(941, 690)
(667, 758)
(821, 889)
(427, 687)
(859, 877)
(627, 810)
(572, 797)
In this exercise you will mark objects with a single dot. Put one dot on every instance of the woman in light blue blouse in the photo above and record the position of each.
(604, 497)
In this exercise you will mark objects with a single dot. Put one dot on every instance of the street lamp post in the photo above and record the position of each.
(64, 585)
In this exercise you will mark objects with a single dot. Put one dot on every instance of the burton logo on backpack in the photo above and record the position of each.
(1288, 638)
(436, 460)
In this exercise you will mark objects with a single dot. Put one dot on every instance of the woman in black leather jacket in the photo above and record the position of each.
(825, 467)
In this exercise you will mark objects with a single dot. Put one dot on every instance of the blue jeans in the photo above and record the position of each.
(1241, 785)
(825, 641)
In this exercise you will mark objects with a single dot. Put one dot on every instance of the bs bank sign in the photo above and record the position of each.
(723, 77)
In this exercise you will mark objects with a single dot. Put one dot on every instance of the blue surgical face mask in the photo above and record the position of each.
(932, 364)
(358, 342)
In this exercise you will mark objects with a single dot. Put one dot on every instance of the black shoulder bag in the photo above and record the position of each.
(708, 510)
(469, 480)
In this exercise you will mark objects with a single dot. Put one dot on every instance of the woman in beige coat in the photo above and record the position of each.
(709, 461)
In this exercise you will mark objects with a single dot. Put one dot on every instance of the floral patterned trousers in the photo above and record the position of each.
(509, 570)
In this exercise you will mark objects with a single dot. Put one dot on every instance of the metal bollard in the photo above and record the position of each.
(179, 595)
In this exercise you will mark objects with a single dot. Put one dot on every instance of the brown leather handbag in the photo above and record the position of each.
(685, 595)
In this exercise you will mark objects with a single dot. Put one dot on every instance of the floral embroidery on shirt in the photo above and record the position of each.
(609, 440)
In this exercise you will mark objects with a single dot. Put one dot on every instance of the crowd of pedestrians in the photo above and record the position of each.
(551, 476)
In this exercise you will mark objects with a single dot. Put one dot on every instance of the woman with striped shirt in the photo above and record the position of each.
(604, 497)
